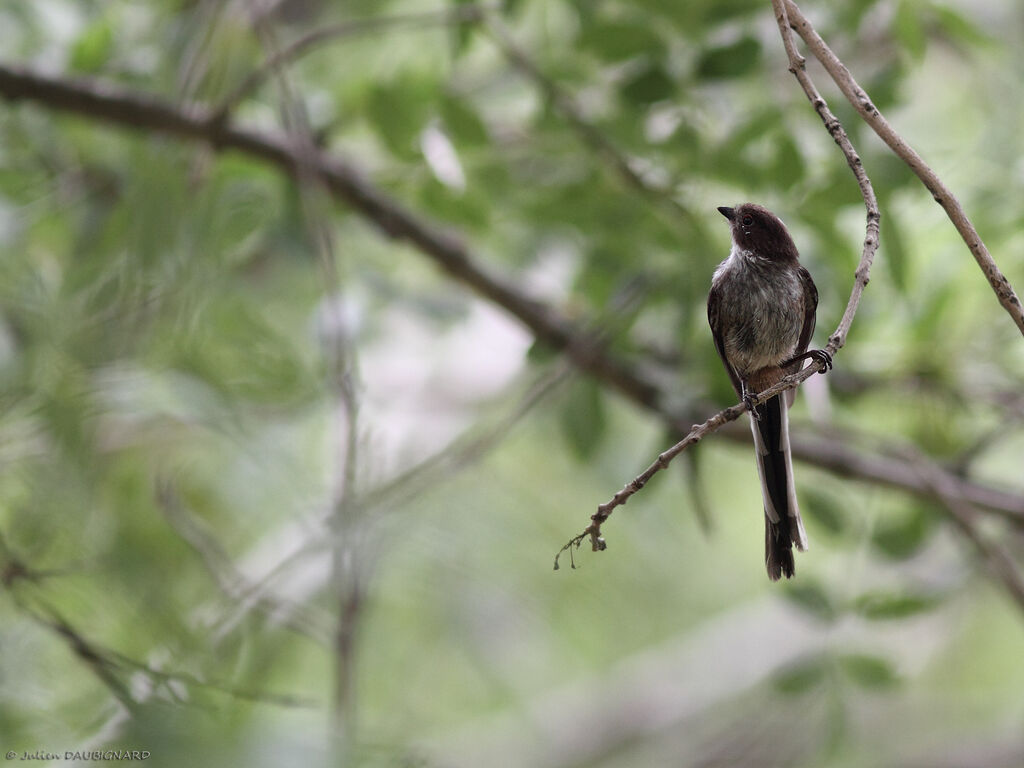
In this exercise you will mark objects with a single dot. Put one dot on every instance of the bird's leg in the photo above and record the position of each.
(819, 356)
(748, 400)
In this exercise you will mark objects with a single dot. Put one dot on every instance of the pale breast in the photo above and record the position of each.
(762, 311)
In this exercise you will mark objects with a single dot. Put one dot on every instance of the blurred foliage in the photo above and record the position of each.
(165, 321)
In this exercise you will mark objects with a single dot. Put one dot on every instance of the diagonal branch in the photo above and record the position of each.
(942, 194)
(835, 129)
(443, 247)
(1001, 566)
(120, 107)
(835, 341)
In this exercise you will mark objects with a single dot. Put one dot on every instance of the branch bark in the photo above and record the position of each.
(874, 118)
(120, 107)
(836, 340)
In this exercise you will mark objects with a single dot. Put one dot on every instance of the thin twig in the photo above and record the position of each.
(695, 435)
(552, 329)
(836, 340)
(110, 665)
(227, 577)
(942, 194)
(346, 579)
(835, 129)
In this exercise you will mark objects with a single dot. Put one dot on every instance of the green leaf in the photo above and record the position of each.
(882, 606)
(959, 28)
(811, 598)
(893, 249)
(462, 122)
(871, 672)
(723, 10)
(902, 536)
(733, 60)
(908, 29)
(398, 112)
(649, 85)
(93, 47)
(824, 509)
(583, 418)
(788, 166)
(801, 676)
(620, 40)
(461, 34)
(453, 207)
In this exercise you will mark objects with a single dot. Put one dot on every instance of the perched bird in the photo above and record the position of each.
(761, 310)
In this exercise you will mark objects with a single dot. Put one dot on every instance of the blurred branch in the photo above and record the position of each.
(550, 328)
(339, 351)
(445, 249)
(999, 563)
(787, 9)
(465, 450)
(228, 579)
(469, 13)
(101, 664)
(109, 665)
(836, 340)
(835, 454)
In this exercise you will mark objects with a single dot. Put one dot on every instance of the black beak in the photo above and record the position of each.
(729, 213)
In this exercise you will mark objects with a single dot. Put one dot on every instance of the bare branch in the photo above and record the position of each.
(140, 111)
(942, 194)
(227, 577)
(835, 129)
(339, 351)
(999, 563)
(446, 249)
(836, 340)
(695, 435)
(110, 666)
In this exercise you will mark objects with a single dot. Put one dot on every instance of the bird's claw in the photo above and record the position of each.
(822, 358)
(748, 400)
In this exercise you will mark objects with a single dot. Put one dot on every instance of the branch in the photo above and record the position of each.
(227, 577)
(125, 108)
(445, 249)
(835, 341)
(1000, 564)
(694, 436)
(942, 194)
(340, 356)
(109, 665)
(835, 129)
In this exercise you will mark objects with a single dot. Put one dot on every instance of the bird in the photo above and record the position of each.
(761, 309)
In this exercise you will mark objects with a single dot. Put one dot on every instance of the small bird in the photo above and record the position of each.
(761, 309)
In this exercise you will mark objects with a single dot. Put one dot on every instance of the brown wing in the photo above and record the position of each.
(718, 334)
(810, 310)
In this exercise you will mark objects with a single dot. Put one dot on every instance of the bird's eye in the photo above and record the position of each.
(748, 220)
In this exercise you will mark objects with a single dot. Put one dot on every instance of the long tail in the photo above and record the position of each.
(782, 524)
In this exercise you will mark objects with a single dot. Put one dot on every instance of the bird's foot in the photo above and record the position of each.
(821, 358)
(748, 400)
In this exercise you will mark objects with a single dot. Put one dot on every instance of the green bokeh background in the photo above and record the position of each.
(169, 432)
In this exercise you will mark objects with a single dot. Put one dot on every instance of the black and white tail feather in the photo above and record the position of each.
(783, 527)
